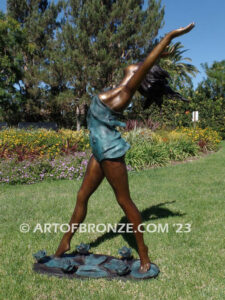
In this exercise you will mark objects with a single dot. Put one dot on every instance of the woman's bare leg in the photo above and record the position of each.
(116, 173)
(92, 179)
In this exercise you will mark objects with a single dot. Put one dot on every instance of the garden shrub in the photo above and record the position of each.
(207, 139)
(29, 144)
(36, 155)
(64, 167)
(151, 149)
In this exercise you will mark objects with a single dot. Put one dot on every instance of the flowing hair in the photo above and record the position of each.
(156, 85)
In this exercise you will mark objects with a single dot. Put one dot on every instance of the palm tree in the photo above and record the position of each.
(175, 64)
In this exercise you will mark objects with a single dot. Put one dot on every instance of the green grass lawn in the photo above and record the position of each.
(191, 264)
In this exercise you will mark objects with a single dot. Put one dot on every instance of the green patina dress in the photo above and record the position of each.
(106, 142)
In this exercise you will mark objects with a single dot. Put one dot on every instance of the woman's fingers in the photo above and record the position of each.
(182, 30)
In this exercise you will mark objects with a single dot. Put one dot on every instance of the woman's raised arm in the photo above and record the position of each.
(119, 98)
(134, 82)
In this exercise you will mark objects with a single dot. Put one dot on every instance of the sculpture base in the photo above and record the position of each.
(76, 265)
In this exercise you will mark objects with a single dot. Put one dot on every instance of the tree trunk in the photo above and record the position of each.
(78, 118)
(80, 111)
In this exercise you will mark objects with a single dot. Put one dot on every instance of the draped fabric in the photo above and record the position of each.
(106, 142)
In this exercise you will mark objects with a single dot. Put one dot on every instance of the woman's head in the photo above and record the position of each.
(156, 85)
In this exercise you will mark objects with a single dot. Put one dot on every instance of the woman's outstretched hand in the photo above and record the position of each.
(182, 30)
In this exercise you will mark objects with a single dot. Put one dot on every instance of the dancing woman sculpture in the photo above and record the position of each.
(109, 148)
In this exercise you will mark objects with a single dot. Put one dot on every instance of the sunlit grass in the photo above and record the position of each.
(190, 263)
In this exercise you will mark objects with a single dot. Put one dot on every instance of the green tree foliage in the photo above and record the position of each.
(180, 71)
(12, 40)
(99, 38)
(209, 97)
(60, 59)
(21, 10)
(38, 18)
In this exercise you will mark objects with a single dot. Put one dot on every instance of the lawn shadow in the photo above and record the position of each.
(154, 212)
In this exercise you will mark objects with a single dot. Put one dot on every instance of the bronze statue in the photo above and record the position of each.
(109, 148)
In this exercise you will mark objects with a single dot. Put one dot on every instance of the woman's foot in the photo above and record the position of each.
(64, 246)
(145, 267)
(145, 261)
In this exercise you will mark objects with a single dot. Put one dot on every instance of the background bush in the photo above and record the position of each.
(64, 167)
(152, 149)
(29, 144)
(36, 155)
(207, 139)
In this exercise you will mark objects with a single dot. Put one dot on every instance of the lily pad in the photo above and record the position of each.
(117, 266)
(91, 271)
(152, 272)
(93, 260)
(65, 264)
